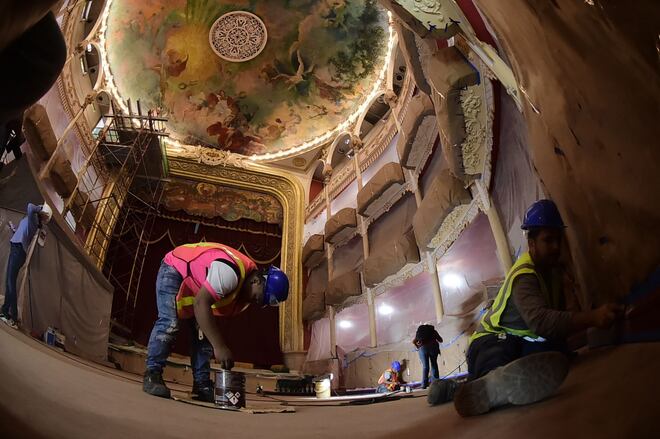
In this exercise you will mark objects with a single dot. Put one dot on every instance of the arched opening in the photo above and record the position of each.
(317, 183)
(377, 113)
(342, 152)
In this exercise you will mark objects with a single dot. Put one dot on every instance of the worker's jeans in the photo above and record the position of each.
(14, 263)
(429, 353)
(167, 326)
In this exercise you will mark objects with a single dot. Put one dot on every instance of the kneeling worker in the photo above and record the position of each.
(390, 380)
(195, 282)
(518, 353)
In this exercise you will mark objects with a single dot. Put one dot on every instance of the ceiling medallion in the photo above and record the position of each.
(238, 36)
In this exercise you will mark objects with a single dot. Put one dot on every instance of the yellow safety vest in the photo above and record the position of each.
(490, 322)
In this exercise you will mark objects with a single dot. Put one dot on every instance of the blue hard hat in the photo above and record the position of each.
(276, 289)
(543, 213)
(396, 366)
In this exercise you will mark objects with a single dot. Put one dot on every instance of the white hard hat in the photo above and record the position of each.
(47, 212)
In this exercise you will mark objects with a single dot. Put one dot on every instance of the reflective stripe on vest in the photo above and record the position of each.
(184, 301)
(490, 322)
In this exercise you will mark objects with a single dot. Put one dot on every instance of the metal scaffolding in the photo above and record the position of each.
(123, 172)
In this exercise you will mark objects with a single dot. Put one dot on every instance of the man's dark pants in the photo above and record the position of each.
(491, 351)
(14, 263)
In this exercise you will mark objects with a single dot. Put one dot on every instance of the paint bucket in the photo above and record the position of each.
(230, 389)
(322, 388)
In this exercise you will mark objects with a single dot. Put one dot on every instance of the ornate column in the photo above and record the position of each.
(327, 174)
(357, 147)
(486, 204)
(435, 286)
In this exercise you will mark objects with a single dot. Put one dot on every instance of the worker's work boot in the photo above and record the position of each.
(204, 392)
(441, 391)
(523, 381)
(153, 384)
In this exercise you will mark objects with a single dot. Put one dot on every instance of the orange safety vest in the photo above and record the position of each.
(227, 306)
(394, 381)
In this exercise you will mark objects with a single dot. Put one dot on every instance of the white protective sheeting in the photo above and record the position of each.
(516, 185)
(319, 346)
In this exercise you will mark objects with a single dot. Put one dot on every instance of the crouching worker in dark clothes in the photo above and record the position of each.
(390, 380)
(194, 283)
(518, 353)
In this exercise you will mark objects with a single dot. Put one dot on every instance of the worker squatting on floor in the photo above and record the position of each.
(518, 354)
(20, 242)
(195, 282)
(390, 380)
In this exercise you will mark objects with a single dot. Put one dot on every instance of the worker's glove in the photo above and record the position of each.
(224, 357)
(604, 316)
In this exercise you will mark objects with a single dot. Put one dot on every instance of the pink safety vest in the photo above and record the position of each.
(192, 261)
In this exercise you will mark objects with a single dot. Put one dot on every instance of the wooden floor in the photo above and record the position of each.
(611, 392)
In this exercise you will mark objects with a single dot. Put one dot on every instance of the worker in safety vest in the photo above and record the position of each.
(194, 283)
(390, 380)
(518, 353)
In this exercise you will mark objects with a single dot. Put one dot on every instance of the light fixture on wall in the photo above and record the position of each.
(452, 280)
(385, 310)
(345, 324)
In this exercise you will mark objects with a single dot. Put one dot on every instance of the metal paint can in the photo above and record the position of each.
(230, 389)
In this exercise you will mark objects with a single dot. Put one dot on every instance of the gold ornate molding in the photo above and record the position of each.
(289, 192)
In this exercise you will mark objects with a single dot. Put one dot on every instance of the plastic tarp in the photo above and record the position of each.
(516, 185)
(319, 346)
(468, 267)
(315, 226)
(340, 224)
(347, 262)
(346, 198)
(391, 242)
(387, 156)
(314, 302)
(353, 327)
(401, 309)
(380, 188)
(446, 193)
(420, 111)
(313, 251)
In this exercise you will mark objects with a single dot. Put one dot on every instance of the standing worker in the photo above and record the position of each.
(427, 341)
(517, 354)
(390, 380)
(195, 282)
(36, 217)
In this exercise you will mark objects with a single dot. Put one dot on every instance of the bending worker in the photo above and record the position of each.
(195, 282)
(390, 380)
(517, 354)
(36, 217)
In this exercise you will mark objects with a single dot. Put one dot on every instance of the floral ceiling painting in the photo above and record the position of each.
(211, 201)
(320, 59)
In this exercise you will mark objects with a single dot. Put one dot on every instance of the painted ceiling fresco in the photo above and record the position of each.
(320, 61)
(211, 201)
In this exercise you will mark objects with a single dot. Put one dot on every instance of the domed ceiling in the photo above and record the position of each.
(276, 76)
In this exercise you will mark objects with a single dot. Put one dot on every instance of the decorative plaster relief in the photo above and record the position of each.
(452, 227)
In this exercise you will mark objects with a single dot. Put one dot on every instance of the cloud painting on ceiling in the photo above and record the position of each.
(319, 62)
